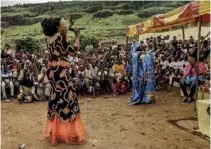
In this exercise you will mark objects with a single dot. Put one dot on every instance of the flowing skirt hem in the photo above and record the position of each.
(71, 132)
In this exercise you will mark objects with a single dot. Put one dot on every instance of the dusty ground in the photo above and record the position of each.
(110, 124)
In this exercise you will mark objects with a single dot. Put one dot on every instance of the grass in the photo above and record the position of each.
(105, 28)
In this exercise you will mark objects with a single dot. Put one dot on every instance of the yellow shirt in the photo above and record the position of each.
(119, 69)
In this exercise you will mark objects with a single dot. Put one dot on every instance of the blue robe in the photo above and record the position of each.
(135, 73)
(149, 82)
(143, 88)
(134, 46)
(135, 82)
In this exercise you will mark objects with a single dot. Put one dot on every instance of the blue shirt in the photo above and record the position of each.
(129, 68)
(5, 74)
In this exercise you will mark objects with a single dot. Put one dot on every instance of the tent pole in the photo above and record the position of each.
(183, 33)
(207, 35)
(198, 51)
(126, 42)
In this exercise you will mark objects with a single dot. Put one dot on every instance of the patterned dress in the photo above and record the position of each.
(64, 122)
(63, 97)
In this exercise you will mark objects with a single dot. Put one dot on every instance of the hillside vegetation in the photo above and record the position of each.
(102, 20)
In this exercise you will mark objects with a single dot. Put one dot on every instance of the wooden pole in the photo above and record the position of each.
(198, 52)
(127, 42)
(206, 36)
(183, 33)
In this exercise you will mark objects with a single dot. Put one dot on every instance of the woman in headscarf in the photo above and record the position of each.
(136, 87)
(143, 79)
(64, 122)
(149, 78)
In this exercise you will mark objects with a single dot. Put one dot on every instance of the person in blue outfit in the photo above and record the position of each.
(136, 91)
(143, 81)
(149, 79)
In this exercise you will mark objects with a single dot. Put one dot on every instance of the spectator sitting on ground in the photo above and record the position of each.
(120, 86)
(27, 86)
(176, 77)
(44, 87)
(164, 63)
(119, 68)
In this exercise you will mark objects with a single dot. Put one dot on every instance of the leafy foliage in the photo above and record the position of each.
(20, 21)
(145, 13)
(27, 45)
(103, 14)
(124, 12)
(84, 40)
(93, 9)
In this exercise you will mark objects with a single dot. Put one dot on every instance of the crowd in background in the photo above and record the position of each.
(103, 70)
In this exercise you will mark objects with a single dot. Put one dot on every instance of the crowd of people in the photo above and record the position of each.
(103, 70)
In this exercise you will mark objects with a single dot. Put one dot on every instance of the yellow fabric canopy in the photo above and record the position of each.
(189, 13)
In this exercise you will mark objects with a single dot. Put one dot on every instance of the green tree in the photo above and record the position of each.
(87, 40)
(28, 44)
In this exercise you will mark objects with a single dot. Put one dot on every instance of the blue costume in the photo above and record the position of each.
(143, 81)
(149, 79)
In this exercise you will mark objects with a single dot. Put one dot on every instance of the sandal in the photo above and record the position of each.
(190, 99)
(185, 99)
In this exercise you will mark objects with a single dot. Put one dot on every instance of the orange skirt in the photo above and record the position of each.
(70, 132)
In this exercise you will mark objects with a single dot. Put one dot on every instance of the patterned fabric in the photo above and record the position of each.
(26, 94)
(136, 90)
(120, 87)
(149, 79)
(178, 17)
(143, 79)
(63, 101)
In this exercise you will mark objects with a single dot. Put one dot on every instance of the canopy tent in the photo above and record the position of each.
(189, 13)
(197, 11)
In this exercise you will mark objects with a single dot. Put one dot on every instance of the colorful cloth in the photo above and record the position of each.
(189, 71)
(120, 87)
(64, 123)
(136, 75)
(63, 100)
(143, 80)
(188, 13)
(149, 79)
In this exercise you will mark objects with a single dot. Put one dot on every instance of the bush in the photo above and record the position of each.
(7, 9)
(19, 20)
(93, 9)
(131, 5)
(124, 12)
(145, 13)
(4, 24)
(84, 40)
(30, 15)
(28, 45)
(76, 16)
(103, 14)
(131, 21)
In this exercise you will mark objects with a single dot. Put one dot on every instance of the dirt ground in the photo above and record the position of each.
(110, 124)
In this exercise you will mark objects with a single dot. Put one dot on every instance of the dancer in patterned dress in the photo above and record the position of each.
(64, 122)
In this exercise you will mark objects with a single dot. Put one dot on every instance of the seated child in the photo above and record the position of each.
(120, 86)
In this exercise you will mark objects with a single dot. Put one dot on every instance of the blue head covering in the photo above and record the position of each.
(134, 46)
